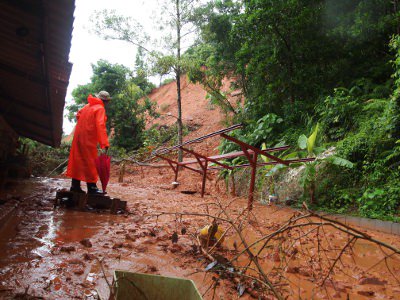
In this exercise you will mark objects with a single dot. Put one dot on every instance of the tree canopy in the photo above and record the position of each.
(299, 63)
(126, 111)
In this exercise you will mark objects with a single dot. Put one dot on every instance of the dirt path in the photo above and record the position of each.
(43, 254)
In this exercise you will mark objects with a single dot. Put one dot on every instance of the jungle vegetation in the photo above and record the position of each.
(316, 75)
(299, 63)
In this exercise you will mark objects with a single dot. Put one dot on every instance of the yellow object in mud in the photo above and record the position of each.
(218, 234)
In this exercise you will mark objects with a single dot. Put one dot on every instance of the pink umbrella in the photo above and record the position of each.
(103, 169)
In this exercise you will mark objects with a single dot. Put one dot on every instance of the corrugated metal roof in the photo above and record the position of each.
(35, 40)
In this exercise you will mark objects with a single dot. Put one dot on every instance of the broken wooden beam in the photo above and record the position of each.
(82, 200)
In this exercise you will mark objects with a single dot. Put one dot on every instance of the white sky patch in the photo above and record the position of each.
(87, 48)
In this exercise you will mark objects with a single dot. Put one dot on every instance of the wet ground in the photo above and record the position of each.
(57, 253)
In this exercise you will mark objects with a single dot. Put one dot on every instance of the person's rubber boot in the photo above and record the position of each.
(93, 190)
(76, 186)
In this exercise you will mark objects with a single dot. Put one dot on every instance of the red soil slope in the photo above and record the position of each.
(197, 112)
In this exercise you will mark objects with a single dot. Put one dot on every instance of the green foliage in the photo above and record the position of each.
(263, 128)
(162, 135)
(270, 172)
(45, 160)
(127, 110)
(339, 161)
(378, 202)
(287, 55)
(141, 73)
(128, 118)
(227, 174)
(302, 141)
(307, 62)
(205, 60)
(394, 115)
(79, 94)
(167, 81)
(255, 133)
(369, 142)
(164, 60)
(111, 26)
(337, 114)
(311, 141)
(106, 76)
(310, 176)
(334, 191)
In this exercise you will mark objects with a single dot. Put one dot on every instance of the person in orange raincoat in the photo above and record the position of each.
(90, 130)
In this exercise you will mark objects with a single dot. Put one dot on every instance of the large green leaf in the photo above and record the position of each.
(319, 150)
(311, 140)
(264, 158)
(338, 161)
(291, 155)
(302, 142)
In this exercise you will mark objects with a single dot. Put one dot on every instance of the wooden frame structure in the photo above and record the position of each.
(250, 152)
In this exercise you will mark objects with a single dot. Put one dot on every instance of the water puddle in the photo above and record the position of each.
(33, 235)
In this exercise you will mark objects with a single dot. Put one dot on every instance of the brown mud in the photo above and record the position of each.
(57, 253)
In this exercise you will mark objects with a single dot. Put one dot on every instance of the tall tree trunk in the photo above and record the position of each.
(395, 8)
(178, 78)
(179, 120)
(287, 43)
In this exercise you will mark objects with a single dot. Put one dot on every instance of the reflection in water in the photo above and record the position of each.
(76, 226)
(35, 229)
(31, 239)
(47, 239)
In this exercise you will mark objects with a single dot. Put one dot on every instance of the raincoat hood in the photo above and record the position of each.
(93, 100)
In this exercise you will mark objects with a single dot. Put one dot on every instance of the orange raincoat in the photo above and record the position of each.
(89, 131)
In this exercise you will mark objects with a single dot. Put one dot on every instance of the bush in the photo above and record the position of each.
(255, 133)
(167, 81)
(337, 114)
(159, 135)
(380, 202)
(44, 159)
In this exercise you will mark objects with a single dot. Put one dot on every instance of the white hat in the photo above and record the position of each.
(103, 95)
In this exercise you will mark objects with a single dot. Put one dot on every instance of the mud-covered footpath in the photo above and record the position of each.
(55, 253)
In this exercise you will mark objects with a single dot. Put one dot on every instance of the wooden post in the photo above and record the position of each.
(176, 173)
(253, 163)
(203, 184)
(114, 205)
(233, 191)
(82, 200)
(175, 169)
(121, 172)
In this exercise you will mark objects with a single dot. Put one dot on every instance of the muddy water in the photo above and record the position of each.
(33, 237)
(365, 261)
(41, 253)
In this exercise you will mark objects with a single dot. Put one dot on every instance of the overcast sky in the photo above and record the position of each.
(86, 48)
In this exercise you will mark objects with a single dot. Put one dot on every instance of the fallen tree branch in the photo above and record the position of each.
(303, 234)
(337, 259)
